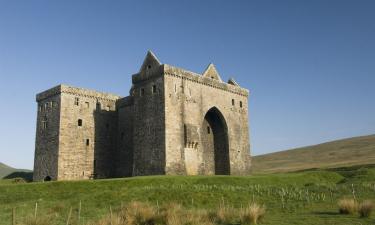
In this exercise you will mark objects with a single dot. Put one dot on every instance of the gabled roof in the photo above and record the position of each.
(149, 62)
(212, 73)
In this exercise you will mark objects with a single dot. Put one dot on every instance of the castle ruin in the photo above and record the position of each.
(175, 122)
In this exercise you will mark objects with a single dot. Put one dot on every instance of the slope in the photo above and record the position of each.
(340, 153)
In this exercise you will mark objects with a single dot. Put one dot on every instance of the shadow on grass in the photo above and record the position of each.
(327, 213)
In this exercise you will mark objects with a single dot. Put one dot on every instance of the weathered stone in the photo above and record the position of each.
(173, 122)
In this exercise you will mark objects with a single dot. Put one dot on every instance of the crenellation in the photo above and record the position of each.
(174, 122)
(197, 78)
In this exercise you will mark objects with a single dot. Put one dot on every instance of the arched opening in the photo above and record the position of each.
(216, 136)
(47, 178)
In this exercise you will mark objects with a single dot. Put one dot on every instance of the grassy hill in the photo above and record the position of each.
(346, 152)
(6, 170)
(10, 172)
(289, 198)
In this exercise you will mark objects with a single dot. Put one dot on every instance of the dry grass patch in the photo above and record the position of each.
(365, 208)
(252, 214)
(37, 221)
(224, 215)
(347, 206)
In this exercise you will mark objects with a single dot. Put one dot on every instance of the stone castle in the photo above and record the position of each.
(174, 122)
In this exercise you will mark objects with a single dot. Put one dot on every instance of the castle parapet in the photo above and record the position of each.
(77, 92)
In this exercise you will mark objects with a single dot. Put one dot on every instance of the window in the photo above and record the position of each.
(232, 101)
(44, 124)
(40, 108)
(46, 106)
(87, 142)
(79, 122)
(208, 130)
(241, 104)
(142, 91)
(87, 104)
(107, 126)
(122, 135)
(153, 89)
(148, 66)
(76, 101)
(98, 106)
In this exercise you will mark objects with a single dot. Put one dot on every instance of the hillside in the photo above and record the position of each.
(6, 171)
(345, 152)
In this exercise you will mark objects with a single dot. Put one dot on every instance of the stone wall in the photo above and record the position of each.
(87, 134)
(149, 125)
(47, 136)
(125, 162)
(188, 98)
(81, 134)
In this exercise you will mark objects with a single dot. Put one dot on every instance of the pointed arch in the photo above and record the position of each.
(218, 142)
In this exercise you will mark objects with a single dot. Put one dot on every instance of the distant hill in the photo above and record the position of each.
(10, 172)
(340, 153)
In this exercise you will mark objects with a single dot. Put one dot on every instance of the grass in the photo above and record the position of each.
(346, 152)
(290, 198)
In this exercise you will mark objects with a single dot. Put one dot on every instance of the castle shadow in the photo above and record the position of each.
(105, 142)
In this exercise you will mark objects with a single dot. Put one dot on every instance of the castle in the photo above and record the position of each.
(174, 122)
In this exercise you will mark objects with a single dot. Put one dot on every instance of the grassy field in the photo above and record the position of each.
(290, 198)
(346, 152)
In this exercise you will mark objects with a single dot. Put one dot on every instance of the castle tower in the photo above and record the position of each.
(188, 123)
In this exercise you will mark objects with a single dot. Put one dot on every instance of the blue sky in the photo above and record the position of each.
(309, 65)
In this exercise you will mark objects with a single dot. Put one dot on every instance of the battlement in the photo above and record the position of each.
(203, 80)
(62, 88)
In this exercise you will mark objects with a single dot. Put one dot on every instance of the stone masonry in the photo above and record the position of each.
(175, 122)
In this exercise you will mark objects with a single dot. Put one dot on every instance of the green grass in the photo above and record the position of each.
(291, 198)
(346, 152)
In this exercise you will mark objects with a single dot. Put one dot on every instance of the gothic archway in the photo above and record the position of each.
(216, 131)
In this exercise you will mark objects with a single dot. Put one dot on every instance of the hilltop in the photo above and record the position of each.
(340, 153)
(10, 172)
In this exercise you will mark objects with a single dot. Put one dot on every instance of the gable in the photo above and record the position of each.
(150, 62)
(212, 73)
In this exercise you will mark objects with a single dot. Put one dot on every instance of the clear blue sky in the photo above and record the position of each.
(310, 65)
